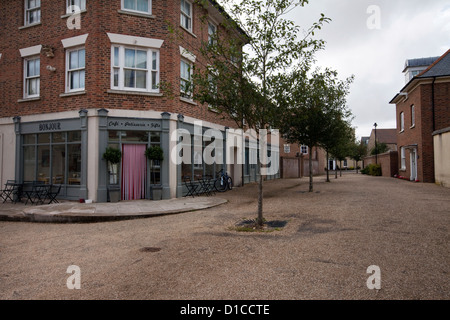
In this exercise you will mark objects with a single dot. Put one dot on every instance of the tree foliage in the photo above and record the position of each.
(316, 113)
(243, 84)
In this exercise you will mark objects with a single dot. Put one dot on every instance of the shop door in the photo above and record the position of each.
(134, 172)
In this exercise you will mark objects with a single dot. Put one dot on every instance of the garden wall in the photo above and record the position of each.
(388, 162)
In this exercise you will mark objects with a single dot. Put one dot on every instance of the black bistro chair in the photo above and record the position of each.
(191, 186)
(12, 191)
(52, 193)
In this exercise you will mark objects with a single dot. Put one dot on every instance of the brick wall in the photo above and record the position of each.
(101, 16)
(388, 162)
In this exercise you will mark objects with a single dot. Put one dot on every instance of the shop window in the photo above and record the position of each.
(52, 158)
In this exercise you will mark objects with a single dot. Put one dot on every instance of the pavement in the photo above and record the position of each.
(75, 212)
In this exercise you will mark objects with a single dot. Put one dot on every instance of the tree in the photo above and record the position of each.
(342, 147)
(316, 114)
(241, 84)
(380, 147)
(359, 151)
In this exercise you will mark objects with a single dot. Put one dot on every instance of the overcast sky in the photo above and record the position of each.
(407, 29)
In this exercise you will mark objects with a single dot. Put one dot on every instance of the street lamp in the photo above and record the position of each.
(376, 144)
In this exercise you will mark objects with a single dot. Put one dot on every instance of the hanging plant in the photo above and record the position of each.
(154, 153)
(113, 155)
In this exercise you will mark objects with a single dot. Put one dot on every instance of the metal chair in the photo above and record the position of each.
(53, 193)
(192, 187)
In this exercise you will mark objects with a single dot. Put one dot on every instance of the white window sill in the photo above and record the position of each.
(137, 14)
(212, 109)
(401, 131)
(412, 127)
(29, 99)
(74, 93)
(187, 100)
(71, 14)
(30, 25)
(188, 31)
(135, 93)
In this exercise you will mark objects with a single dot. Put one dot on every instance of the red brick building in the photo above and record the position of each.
(423, 113)
(79, 76)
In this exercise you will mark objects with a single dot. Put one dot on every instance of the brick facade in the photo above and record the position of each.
(101, 17)
(104, 25)
(429, 93)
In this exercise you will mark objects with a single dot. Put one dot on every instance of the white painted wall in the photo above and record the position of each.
(442, 159)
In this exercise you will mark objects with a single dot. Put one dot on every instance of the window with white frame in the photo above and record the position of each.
(403, 158)
(212, 33)
(75, 69)
(142, 6)
(185, 79)
(135, 68)
(413, 116)
(186, 15)
(32, 11)
(304, 149)
(32, 77)
(75, 4)
(402, 121)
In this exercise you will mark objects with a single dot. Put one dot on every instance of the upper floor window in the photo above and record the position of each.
(186, 15)
(304, 149)
(413, 116)
(32, 76)
(212, 33)
(185, 76)
(32, 11)
(76, 69)
(73, 5)
(135, 68)
(142, 6)
(402, 121)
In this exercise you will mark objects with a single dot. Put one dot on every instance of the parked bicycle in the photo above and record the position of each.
(223, 182)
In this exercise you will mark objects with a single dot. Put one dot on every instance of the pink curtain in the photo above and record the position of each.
(134, 171)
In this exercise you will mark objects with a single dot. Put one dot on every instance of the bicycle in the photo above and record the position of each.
(224, 182)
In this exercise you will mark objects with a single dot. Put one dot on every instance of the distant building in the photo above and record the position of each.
(294, 160)
(423, 123)
(387, 136)
(365, 140)
(414, 67)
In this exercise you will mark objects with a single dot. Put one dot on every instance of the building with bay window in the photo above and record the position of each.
(77, 77)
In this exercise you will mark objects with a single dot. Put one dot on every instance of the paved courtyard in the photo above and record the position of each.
(326, 241)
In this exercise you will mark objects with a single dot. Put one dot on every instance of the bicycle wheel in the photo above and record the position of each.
(229, 183)
(220, 184)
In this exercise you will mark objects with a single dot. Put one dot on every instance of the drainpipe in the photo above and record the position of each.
(432, 103)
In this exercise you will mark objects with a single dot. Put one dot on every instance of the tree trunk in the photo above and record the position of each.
(340, 168)
(260, 197)
(328, 169)
(310, 170)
